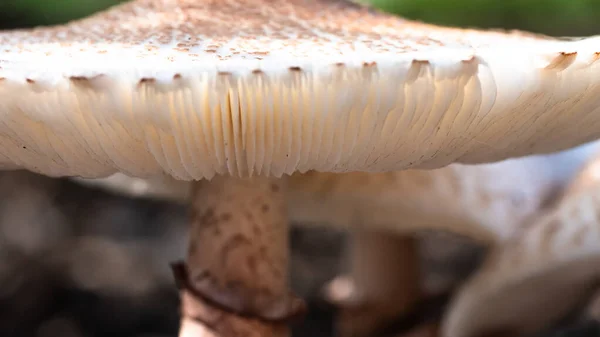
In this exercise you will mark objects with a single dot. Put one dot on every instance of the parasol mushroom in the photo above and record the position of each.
(538, 275)
(234, 94)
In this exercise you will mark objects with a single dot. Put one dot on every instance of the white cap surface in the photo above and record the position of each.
(194, 88)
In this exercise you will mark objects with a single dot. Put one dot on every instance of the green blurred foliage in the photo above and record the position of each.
(27, 13)
(553, 17)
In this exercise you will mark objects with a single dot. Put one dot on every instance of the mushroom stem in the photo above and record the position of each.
(385, 282)
(235, 282)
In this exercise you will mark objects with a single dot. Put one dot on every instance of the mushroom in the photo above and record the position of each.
(539, 274)
(235, 94)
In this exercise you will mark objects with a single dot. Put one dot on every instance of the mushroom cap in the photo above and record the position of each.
(538, 275)
(194, 88)
(487, 202)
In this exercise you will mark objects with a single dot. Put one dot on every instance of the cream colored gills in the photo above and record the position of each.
(485, 201)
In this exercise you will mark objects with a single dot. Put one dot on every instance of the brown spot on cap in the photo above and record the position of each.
(78, 78)
(257, 71)
(29, 80)
(295, 69)
(340, 64)
(420, 62)
(224, 73)
(84, 81)
(369, 64)
(415, 69)
(561, 61)
(147, 80)
(177, 76)
(85, 78)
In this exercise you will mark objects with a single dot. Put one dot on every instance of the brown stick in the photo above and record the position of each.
(236, 279)
(386, 279)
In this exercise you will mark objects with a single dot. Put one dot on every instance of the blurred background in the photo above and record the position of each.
(80, 262)
(553, 17)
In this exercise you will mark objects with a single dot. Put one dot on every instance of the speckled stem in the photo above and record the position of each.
(385, 276)
(236, 279)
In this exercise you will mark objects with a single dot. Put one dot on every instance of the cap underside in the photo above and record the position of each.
(196, 88)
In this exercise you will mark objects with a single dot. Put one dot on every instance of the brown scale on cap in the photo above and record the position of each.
(88, 82)
(146, 80)
(562, 61)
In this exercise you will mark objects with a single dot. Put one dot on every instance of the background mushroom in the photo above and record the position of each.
(294, 86)
(537, 276)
